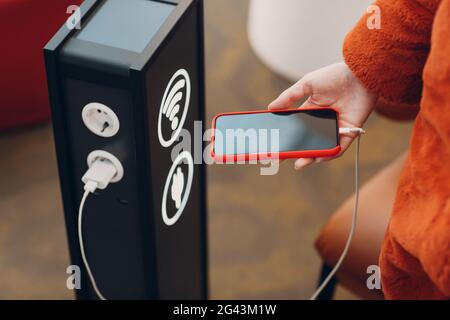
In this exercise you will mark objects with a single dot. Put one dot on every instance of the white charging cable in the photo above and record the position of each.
(103, 171)
(98, 176)
(359, 132)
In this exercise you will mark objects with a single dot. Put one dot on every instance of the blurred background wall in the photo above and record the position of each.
(294, 37)
(261, 228)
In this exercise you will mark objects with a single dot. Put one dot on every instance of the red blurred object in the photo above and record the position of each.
(25, 27)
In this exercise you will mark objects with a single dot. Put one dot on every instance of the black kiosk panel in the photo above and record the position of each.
(142, 59)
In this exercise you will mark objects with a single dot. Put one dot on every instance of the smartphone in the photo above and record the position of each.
(292, 133)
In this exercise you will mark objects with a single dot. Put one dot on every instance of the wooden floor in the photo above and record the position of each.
(261, 228)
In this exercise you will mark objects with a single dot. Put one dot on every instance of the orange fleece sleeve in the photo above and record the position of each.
(389, 61)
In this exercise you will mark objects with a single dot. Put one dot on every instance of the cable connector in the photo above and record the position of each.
(351, 130)
(99, 175)
(90, 186)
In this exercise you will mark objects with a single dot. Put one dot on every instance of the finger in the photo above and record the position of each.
(345, 141)
(290, 96)
(303, 162)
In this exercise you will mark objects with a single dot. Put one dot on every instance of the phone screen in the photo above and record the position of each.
(267, 132)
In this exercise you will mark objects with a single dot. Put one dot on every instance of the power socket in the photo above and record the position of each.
(100, 120)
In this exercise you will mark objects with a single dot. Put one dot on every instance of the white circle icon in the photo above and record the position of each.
(178, 89)
(179, 190)
(100, 119)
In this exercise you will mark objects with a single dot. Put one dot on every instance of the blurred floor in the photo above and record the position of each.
(261, 228)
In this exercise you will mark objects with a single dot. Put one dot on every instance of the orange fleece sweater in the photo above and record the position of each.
(407, 61)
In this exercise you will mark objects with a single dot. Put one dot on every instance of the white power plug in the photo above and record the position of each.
(100, 119)
(104, 168)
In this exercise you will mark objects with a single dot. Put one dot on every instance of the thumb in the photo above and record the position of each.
(291, 95)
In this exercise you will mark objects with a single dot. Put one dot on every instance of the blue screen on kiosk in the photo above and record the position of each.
(125, 24)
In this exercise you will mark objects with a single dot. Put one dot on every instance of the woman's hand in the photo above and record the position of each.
(332, 86)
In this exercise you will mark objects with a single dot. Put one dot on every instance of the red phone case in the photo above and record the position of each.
(279, 155)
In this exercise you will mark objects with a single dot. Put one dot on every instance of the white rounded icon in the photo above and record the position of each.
(179, 88)
(179, 193)
(100, 119)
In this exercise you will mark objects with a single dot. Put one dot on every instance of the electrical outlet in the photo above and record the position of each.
(100, 119)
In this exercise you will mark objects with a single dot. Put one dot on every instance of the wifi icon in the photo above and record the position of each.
(172, 109)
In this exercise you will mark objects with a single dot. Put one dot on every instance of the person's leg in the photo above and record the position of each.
(375, 205)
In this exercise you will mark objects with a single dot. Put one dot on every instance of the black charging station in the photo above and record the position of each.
(142, 60)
